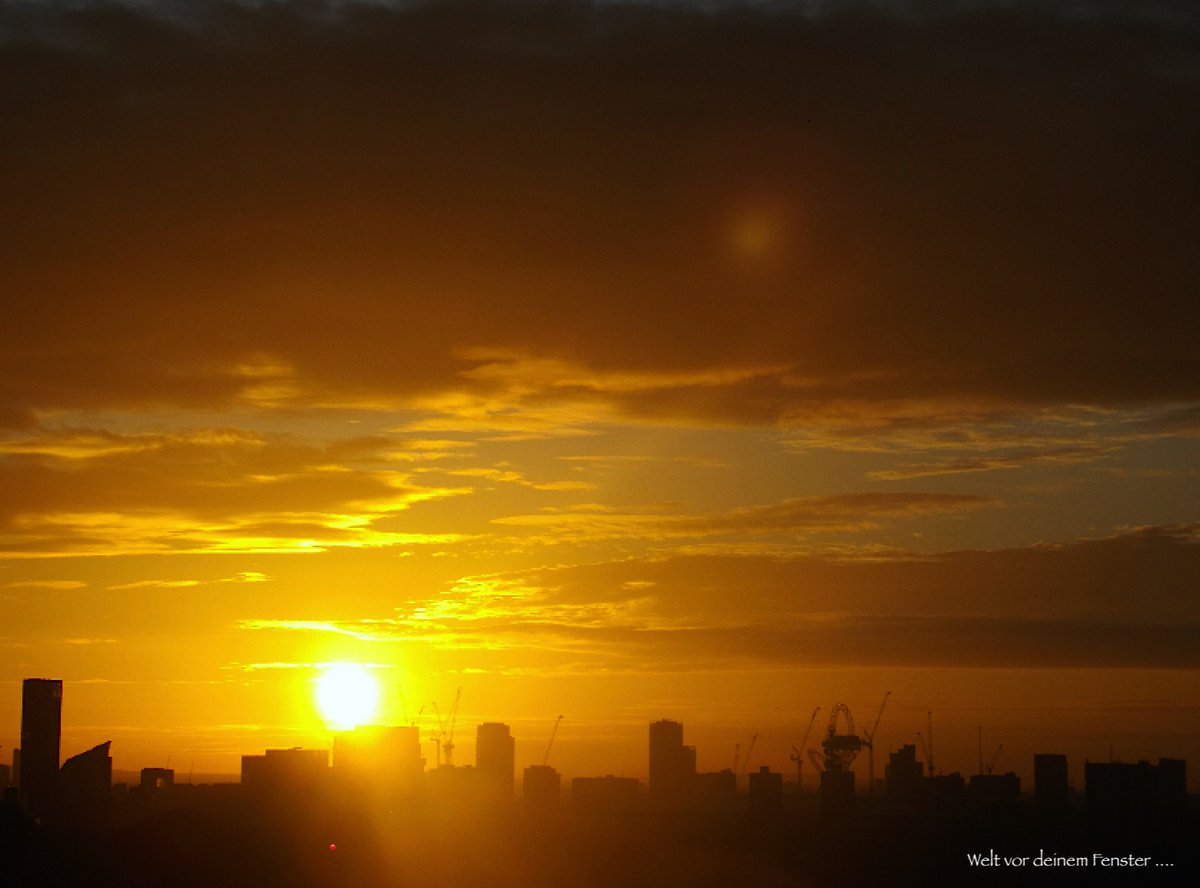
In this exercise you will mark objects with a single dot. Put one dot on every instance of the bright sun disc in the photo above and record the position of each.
(347, 695)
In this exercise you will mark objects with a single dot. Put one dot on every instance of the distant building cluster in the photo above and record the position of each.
(381, 765)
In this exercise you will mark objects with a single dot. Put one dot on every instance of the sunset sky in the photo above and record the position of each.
(697, 360)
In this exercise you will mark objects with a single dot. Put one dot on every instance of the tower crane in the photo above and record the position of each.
(928, 747)
(553, 734)
(987, 769)
(840, 749)
(869, 742)
(818, 762)
(746, 761)
(797, 757)
(448, 746)
(445, 734)
(995, 756)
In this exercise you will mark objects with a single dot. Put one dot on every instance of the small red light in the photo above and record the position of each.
(332, 846)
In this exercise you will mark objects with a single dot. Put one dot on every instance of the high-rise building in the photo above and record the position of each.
(495, 756)
(41, 731)
(672, 765)
(85, 786)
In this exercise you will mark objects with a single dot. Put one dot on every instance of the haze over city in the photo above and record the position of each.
(623, 361)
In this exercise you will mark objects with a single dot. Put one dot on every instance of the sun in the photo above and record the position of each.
(347, 695)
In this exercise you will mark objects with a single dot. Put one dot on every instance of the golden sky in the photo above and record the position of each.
(613, 360)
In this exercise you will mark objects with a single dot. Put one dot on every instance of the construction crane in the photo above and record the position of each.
(869, 742)
(448, 746)
(746, 761)
(928, 747)
(438, 735)
(992, 762)
(412, 723)
(445, 735)
(818, 762)
(840, 749)
(995, 756)
(553, 734)
(797, 757)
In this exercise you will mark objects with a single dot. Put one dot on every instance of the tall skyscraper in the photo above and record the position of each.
(41, 732)
(672, 765)
(495, 755)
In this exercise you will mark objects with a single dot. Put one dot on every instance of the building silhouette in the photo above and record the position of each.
(943, 787)
(85, 786)
(904, 775)
(290, 776)
(41, 732)
(156, 779)
(672, 765)
(1124, 798)
(604, 795)
(379, 759)
(495, 756)
(541, 788)
(715, 788)
(837, 793)
(994, 787)
(766, 794)
(1051, 789)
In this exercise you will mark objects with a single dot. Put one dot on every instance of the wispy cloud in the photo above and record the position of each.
(63, 585)
(840, 513)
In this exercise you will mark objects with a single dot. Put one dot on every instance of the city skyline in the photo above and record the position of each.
(677, 764)
(626, 361)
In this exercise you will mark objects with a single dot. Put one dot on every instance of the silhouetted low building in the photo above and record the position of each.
(1136, 798)
(379, 760)
(541, 788)
(607, 794)
(766, 794)
(1051, 788)
(903, 775)
(837, 793)
(156, 779)
(715, 788)
(995, 787)
(943, 787)
(285, 775)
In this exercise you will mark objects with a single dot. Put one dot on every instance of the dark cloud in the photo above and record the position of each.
(1147, 575)
(1123, 602)
(985, 204)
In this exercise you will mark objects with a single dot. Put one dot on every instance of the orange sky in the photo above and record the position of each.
(613, 361)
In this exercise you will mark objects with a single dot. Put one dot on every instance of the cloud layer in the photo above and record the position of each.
(736, 214)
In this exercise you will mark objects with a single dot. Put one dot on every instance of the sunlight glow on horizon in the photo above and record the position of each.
(347, 695)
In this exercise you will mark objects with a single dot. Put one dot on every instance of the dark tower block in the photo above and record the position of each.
(41, 730)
